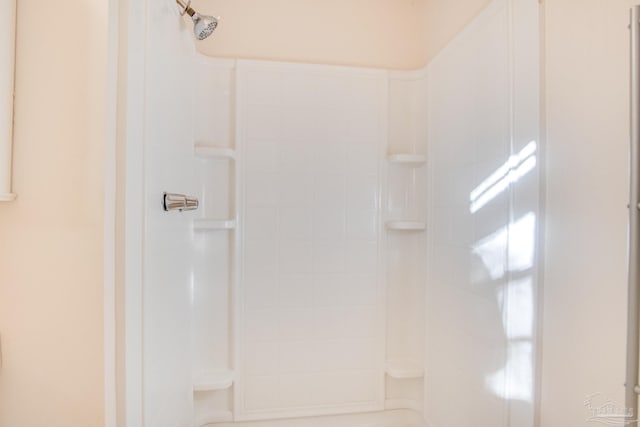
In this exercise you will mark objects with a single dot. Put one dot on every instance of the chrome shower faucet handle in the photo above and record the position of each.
(179, 202)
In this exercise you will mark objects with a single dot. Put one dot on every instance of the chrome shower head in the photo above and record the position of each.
(203, 25)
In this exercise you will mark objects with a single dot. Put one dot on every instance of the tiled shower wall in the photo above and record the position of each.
(284, 290)
(311, 299)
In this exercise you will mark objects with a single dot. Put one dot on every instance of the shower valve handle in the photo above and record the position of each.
(179, 202)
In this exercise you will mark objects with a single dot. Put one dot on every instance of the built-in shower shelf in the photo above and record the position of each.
(414, 160)
(213, 152)
(216, 417)
(213, 224)
(404, 369)
(406, 225)
(211, 381)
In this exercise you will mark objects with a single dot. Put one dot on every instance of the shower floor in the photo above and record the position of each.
(395, 418)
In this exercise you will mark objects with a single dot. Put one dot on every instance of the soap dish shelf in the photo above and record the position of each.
(212, 381)
(213, 152)
(413, 160)
(406, 225)
(403, 369)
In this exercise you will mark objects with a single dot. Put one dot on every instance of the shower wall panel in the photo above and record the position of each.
(310, 316)
(483, 149)
(213, 260)
(168, 237)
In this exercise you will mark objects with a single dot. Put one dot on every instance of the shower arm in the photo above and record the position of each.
(186, 8)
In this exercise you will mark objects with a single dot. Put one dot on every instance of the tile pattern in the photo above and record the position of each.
(311, 324)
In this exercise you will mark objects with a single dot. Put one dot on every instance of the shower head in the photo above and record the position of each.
(203, 25)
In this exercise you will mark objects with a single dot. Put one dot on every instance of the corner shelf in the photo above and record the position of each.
(216, 417)
(213, 224)
(414, 160)
(403, 369)
(213, 152)
(212, 381)
(406, 225)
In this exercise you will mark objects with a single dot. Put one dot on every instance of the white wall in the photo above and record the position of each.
(483, 124)
(378, 33)
(264, 387)
(51, 276)
(167, 265)
(311, 145)
(392, 34)
(586, 172)
(444, 19)
(50, 251)
(214, 255)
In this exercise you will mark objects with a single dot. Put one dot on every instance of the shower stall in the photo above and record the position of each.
(365, 244)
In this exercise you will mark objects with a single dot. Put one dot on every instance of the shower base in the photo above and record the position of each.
(394, 418)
